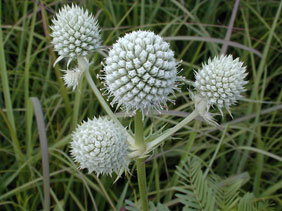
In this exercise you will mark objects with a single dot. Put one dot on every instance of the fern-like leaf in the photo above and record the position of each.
(246, 203)
(265, 206)
(228, 196)
(131, 206)
(199, 196)
(159, 207)
(210, 193)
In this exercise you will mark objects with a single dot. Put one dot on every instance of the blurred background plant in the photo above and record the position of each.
(196, 30)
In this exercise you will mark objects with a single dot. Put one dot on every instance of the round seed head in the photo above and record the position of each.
(75, 32)
(140, 71)
(100, 145)
(221, 81)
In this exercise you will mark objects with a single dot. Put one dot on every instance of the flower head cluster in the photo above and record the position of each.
(75, 33)
(221, 81)
(140, 71)
(100, 145)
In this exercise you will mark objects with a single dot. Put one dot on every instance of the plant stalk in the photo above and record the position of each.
(82, 66)
(140, 163)
(104, 103)
(184, 158)
(153, 144)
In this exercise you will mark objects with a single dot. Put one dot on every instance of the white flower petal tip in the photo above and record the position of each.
(140, 72)
(75, 33)
(100, 145)
(72, 77)
(221, 81)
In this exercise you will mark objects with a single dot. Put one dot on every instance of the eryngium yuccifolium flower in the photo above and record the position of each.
(72, 77)
(140, 71)
(221, 81)
(100, 145)
(75, 32)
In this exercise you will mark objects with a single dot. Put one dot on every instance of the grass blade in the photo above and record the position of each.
(28, 64)
(5, 80)
(44, 150)
(215, 40)
(255, 89)
(230, 27)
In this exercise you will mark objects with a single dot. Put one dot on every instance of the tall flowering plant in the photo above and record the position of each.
(140, 74)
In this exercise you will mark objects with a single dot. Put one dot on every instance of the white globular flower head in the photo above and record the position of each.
(221, 81)
(72, 77)
(75, 33)
(140, 72)
(100, 145)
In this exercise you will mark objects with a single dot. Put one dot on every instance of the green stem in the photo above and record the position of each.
(216, 151)
(76, 104)
(183, 159)
(153, 144)
(82, 66)
(139, 132)
(99, 95)
(104, 103)
(140, 163)
(141, 175)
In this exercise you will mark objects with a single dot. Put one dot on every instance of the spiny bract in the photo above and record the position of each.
(100, 145)
(140, 71)
(72, 77)
(75, 32)
(221, 81)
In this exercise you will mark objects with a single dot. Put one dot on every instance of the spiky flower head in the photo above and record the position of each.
(75, 33)
(72, 77)
(140, 71)
(100, 145)
(221, 81)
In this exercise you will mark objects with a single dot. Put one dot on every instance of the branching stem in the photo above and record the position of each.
(153, 144)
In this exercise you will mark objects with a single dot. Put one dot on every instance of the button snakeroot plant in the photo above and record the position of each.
(140, 74)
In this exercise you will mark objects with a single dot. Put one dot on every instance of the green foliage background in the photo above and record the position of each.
(196, 31)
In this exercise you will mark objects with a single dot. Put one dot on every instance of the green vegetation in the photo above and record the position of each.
(237, 166)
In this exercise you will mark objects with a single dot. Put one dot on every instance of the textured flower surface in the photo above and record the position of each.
(71, 77)
(75, 32)
(221, 81)
(100, 145)
(140, 71)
